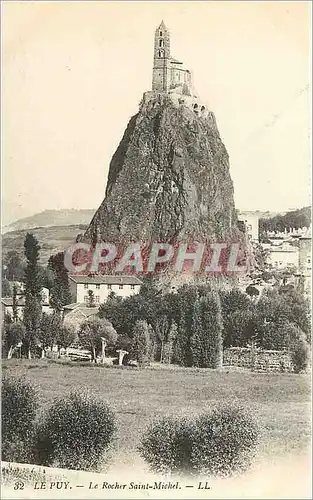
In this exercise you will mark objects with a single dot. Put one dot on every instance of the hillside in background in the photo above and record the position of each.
(51, 239)
(294, 219)
(70, 217)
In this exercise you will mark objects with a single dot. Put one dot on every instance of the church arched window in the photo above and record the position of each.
(161, 43)
(161, 53)
(161, 34)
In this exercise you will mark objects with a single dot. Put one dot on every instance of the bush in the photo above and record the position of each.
(167, 445)
(219, 443)
(226, 441)
(299, 351)
(75, 433)
(141, 345)
(19, 405)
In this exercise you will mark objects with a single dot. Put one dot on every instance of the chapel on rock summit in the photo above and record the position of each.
(169, 74)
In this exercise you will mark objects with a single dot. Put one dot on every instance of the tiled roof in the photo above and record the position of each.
(175, 61)
(8, 301)
(82, 308)
(71, 307)
(106, 280)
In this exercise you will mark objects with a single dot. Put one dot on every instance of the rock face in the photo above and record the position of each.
(168, 180)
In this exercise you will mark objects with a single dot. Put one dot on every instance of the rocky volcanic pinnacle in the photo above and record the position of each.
(168, 180)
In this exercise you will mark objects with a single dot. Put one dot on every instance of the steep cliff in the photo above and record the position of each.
(168, 180)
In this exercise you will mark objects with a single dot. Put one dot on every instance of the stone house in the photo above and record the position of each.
(75, 314)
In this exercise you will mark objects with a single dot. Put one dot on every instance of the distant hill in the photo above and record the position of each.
(52, 218)
(261, 214)
(293, 219)
(52, 239)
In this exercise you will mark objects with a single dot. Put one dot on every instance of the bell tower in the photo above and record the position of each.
(161, 76)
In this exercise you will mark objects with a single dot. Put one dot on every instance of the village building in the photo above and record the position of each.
(305, 260)
(102, 286)
(75, 314)
(7, 303)
(283, 256)
(250, 221)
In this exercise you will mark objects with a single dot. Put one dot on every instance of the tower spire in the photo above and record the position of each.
(161, 60)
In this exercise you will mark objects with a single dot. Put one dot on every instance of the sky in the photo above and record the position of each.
(74, 74)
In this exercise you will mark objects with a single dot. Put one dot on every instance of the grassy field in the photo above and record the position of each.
(281, 402)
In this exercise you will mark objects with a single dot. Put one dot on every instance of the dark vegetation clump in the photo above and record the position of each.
(75, 433)
(18, 410)
(167, 445)
(225, 442)
(222, 442)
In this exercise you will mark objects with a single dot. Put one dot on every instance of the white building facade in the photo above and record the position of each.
(7, 304)
(102, 286)
(284, 256)
(251, 224)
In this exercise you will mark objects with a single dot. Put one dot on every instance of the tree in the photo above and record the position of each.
(14, 304)
(252, 291)
(168, 346)
(161, 331)
(294, 219)
(14, 268)
(122, 313)
(233, 301)
(297, 308)
(31, 319)
(242, 328)
(279, 307)
(14, 334)
(91, 299)
(33, 289)
(184, 305)
(181, 345)
(60, 294)
(48, 331)
(206, 338)
(297, 345)
(66, 335)
(299, 351)
(6, 287)
(95, 334)
(141, 347)
(149, 305)
(261, 255)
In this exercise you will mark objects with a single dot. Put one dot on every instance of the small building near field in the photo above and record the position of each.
(75, 314)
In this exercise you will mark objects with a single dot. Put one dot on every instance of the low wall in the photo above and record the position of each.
(258, 360)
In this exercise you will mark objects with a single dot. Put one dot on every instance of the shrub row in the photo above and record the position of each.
(219, 443)
(77, 431)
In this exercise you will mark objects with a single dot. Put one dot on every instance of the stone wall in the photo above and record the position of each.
(178, 99)
(258, 360)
